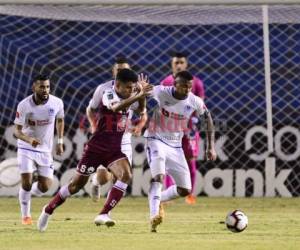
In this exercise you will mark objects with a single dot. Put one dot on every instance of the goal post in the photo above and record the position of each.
(245, 52)
(154, 2)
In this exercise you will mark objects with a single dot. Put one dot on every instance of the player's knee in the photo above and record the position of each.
(43, 187)
(26, 186)
(127, 176)
(104, 177)
(183, 191)
(103, 180)
(158, 178)
(124, 175)
(74, 187)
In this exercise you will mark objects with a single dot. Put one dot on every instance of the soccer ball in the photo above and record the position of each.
(236, 221)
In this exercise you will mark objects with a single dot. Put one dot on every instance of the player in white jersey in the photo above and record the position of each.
(175, 105)
(102, 176)
(34, 128)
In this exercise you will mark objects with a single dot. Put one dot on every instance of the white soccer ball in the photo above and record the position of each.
(236, 221)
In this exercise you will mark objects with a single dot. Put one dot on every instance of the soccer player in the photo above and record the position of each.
(191, 138)
(175, 105)
(104, 148)
(34, 128)
(102, 176)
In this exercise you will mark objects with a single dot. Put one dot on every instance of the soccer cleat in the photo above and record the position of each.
(104, 219)
(154, 222)
(26, 220)
(43, 220)
(190, 199)
(161, 211)
(95, 192)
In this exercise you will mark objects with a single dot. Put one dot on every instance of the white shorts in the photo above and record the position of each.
(127, 150)
(29, 161)
(163, 159)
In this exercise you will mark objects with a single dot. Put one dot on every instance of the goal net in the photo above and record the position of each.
(78, 44)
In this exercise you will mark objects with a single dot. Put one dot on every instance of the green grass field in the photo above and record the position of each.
(273, 224)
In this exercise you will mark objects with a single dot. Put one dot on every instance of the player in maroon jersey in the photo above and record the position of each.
(102, 175)
(104, 148)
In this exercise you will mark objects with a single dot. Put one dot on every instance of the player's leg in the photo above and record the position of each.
(84, 169)
(191, 150)
(41, 186)
(191, 198)
(101, 177)
(77, 183)
(45, 171)
(178, 168)
(169, 181)
(121, 170)
(26, 167)
(156, 161)
(25, 198)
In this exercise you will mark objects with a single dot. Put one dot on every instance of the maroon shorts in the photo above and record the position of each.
(90, 161)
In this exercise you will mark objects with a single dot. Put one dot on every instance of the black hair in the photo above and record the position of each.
(121, 60)
(41, 77)
(126, 75)
(185, 76)
(179, 54)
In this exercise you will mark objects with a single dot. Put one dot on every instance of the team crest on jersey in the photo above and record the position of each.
(187, 108)
(90, 170)
(110, 96)
(51, 111)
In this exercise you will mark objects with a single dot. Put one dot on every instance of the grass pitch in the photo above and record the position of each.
(273, 224)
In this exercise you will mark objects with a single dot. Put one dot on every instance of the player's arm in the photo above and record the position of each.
(92, 108)
(91, 115)
(209, 128)
(20, 121)
(20, 135)
(60, 126)
(210, 136)
(140, 109)
(145, 90)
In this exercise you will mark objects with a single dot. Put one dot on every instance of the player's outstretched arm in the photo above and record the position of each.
(60, 126)
(210, 135)
(144, 91)
(143, 81)
(20, 135)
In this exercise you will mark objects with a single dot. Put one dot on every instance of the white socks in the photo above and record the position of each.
(35, 190)
(64, 192)
(170, 193)
(25, 200)
(154, 198)
(121, 185)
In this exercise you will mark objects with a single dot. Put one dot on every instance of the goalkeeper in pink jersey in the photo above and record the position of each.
(190, 141)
